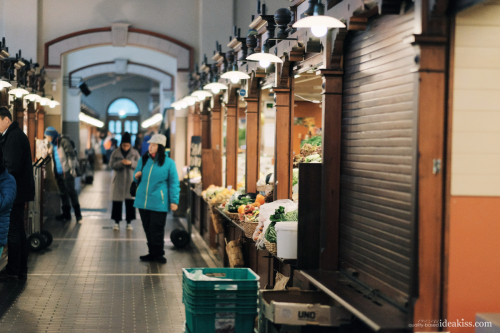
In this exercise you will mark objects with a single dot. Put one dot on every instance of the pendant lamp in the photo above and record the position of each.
(4, 84)
(319, 23)
(32, 97)
(235, 75)
(18, 92)
(264, 58)
(201, 94)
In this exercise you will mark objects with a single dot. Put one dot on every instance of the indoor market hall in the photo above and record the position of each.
(249, 166)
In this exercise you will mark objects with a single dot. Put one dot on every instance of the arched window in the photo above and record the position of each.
(123, 107)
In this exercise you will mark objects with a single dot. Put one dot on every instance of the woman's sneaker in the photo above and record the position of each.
(116, 227)
(129, 227)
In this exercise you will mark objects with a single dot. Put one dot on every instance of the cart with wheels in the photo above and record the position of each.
(38, 239)
(181, 237)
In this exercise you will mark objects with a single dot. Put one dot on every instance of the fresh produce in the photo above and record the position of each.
(215, 194)
(241, 209)
(314, 141)
(234, 205)
(260, 199)
(308, 154)
(295, 176)
(271, 234)
(279, 215)
(269, 197)
(291, 216)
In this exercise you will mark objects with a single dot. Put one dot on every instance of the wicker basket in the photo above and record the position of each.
(217, 220)
(249, 227)
(271, 247)
(233, 216)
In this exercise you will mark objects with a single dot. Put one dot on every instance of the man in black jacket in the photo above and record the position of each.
(17, 160)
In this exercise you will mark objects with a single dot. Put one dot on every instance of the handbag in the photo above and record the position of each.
(134, 185)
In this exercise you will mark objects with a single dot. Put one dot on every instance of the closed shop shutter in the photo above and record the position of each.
(378, 156)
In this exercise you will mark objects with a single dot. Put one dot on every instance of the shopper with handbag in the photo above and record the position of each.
(157, 194)
(123, 162)
(66, 169)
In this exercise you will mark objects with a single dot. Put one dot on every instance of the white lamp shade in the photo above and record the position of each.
(264, 56)
(32, 97)
(201, 94)
(190, 100)
(235, 75)
(5, 84)
(18, 92)
(215, 85)
(52, 102)
(319, 21)
(44, 101)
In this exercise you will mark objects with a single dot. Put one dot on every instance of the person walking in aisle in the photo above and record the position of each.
(157, 194)
(123, 162)
(8, 193)
(17, 161)
(63, 159)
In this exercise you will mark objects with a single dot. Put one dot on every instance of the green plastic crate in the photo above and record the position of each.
(220, 293)
(214, 320)
(240, 279)
(220, 301)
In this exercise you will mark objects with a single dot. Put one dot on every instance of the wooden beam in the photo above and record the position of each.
(196, 120)
(216, 123)
(332, 118)
(252, 136)
(205, 127)
(431, 148)
(284, 126)
(232, 110)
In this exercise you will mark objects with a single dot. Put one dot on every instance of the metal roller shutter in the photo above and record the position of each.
(378, 157)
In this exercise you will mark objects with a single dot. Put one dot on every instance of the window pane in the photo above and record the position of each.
(123, 107)
(118, 126)
(133, 140)
(111, 126)
(135, 127)
(127, 126)
(118, 138)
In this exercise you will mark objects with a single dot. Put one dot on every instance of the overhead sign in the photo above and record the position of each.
(243, 92)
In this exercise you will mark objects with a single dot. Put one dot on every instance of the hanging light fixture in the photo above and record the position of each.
(4, 84)
(264, 58)
(234, 75)
(176, 105)
(201, 94)
(190, 100)
(44, 101)
(18, 92)
(32, 97)
(152, 121)
(216, 87)
(53, 103)
(319, 22)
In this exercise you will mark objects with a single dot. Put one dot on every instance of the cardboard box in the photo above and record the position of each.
(297, 307)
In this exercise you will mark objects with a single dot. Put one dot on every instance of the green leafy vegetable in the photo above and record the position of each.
(271, 234)
(314, 141)
(292, 216)
(279, 214)
(295, 176)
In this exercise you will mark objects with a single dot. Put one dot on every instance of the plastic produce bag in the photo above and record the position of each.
(265, 213)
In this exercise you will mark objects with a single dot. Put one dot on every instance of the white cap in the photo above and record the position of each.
(159, 139)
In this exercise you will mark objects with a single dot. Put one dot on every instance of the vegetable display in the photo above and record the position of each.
(314, 141)
(308, 154)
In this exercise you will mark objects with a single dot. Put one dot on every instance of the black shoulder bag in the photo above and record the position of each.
(134, 185)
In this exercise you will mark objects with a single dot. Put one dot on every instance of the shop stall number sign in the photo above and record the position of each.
(195, 156)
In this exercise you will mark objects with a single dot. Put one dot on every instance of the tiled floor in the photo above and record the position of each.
(91, 279)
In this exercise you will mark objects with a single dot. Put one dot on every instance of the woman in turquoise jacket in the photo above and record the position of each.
(157, 194)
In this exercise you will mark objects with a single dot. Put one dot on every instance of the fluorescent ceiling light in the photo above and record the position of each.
(152, 121)
(89, 120)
